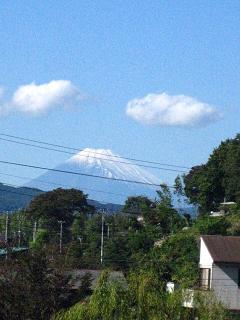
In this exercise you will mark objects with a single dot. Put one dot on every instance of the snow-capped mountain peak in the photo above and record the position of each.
(111, 165)
(91, 156)
(95, 164)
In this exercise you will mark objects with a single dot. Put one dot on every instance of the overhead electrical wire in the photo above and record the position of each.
(79, 150)
(79, 173)
(59, 185)
(35, 195)
(41, 192)
(92, 157)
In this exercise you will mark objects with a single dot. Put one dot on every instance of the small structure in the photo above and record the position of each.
(217, 213)
(223, 209)
(220, 268)
(171, 287)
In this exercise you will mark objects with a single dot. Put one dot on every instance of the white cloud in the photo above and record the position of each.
(38, 99)
(179, 110)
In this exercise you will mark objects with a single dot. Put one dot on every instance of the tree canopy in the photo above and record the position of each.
(59, 204)
(209, 184)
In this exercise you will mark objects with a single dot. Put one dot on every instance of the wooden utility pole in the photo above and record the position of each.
(61, 236)
(102, 238)
(34, 231)
(6, 234)
(19, 231)
(6, 229)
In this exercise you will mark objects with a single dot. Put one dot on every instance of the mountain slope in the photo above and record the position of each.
(12, 198)
(99, 162)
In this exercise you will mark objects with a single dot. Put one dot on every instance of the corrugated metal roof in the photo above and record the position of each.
(223, 248)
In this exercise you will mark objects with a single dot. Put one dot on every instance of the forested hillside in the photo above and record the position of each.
(13, 198)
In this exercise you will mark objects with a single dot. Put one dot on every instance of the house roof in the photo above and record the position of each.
(223, 249)
(95, 275)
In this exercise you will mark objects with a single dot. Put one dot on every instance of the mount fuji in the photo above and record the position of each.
(104, 163)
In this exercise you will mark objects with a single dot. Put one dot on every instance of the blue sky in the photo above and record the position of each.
(109, 53)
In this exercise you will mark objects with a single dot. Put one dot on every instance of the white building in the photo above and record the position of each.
(220, 268)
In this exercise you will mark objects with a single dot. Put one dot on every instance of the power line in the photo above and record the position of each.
(58, 185)
(79, 173)
(35, 195)
(41, 191)
(93, 157)
(79, 150)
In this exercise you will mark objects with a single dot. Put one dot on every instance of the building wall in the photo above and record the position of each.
(206, 260)
(225, 284)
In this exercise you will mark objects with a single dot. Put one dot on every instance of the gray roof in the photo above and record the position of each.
(95, 275)
(223, 248)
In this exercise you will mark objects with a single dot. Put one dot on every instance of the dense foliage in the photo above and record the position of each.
(60, 204)
(31, 289)
(142, 297)
(209, 184)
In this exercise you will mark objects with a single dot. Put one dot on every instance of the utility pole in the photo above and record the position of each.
(34, 231)
(6, 229)
(102, 236)
(19, 231)
(80, 239)
(6, 234)
(61, 236)
(108, 230)
(19, 237)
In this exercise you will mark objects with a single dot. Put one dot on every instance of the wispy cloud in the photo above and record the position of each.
(165, 110)
(37, 99)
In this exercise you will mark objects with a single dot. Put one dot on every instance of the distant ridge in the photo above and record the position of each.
(13, 198)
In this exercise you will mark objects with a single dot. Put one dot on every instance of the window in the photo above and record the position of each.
(205, 278)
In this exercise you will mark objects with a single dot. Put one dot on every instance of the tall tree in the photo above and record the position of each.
(31, 289)
(209, 184)
(137, 204)
(60, 204)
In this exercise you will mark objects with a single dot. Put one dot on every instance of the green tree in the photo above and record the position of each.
(137, 205)
(209, 184)
(165, 196)
(176, 259)
(142, 298)
(30, 289)
(60, 204)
